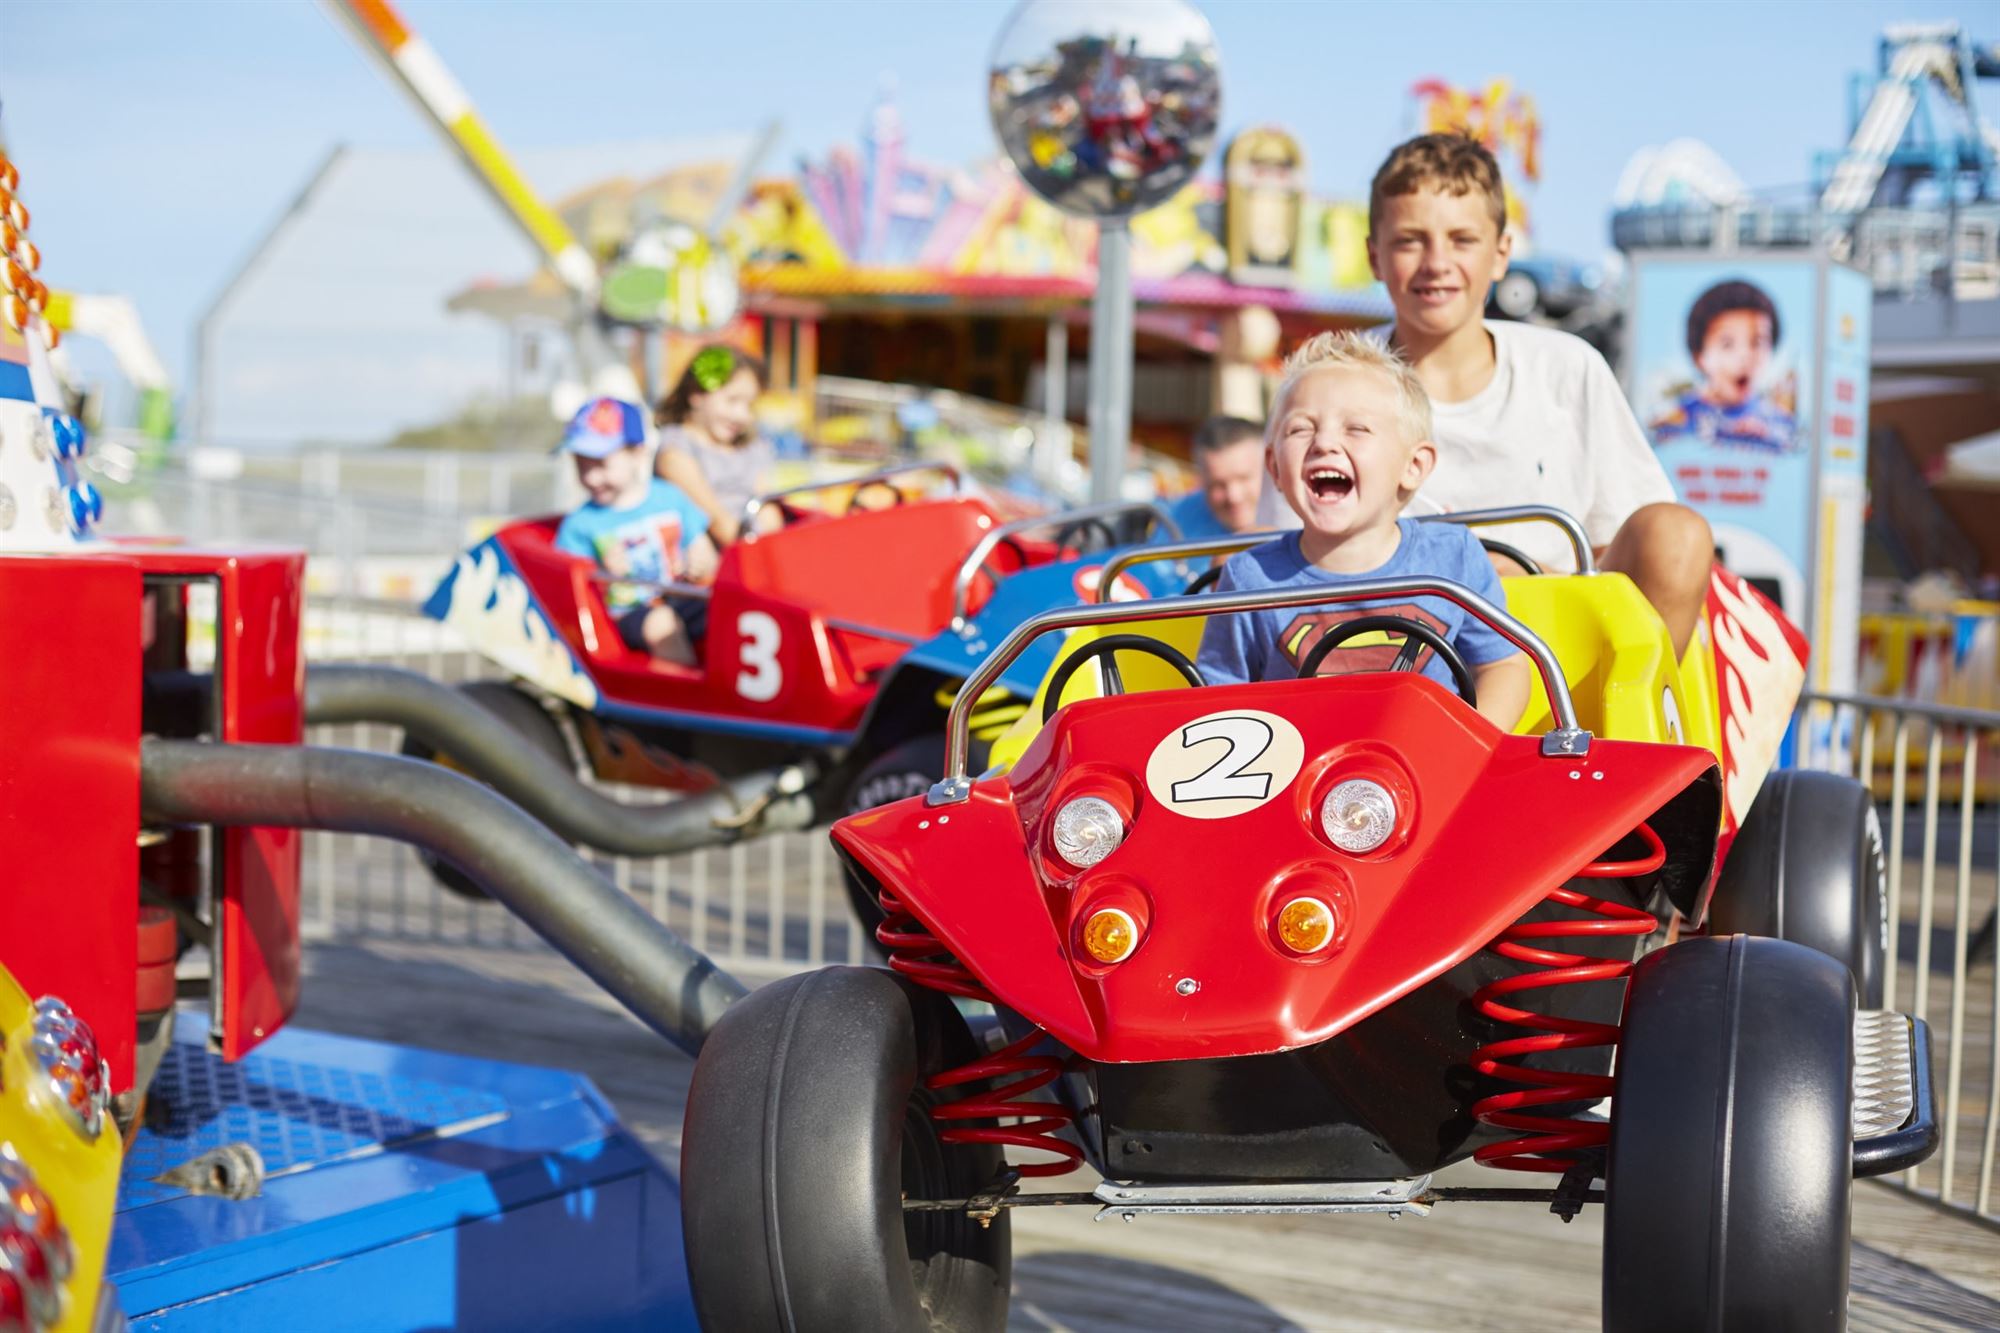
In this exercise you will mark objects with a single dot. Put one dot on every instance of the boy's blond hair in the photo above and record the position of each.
(1448, 163)
(1356, 351)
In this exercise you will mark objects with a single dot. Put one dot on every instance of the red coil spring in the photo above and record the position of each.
(1551, 1143)
(918, 955)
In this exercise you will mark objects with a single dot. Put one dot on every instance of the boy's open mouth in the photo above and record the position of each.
(1327, 482)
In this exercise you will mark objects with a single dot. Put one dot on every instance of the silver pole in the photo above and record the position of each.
(1110, 360)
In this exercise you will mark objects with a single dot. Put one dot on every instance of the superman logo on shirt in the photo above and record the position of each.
(1373, 651)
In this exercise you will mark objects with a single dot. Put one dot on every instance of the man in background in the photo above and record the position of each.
(1229, 463)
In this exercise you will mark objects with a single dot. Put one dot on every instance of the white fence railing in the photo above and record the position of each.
(777, 904)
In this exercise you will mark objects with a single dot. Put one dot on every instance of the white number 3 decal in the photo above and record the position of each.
(1191, 775)
(761, 678)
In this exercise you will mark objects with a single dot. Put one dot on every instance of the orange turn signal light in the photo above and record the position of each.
(1305, 925)
(1110, 935)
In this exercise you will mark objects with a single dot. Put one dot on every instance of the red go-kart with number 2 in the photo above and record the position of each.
(1293, 947)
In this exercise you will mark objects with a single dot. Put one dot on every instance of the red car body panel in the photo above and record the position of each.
(1488, 827)
(69, 791)
(260, 664)
(777, 659)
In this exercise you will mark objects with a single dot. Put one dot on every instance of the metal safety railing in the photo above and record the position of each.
(763, 908)
(1935, 773)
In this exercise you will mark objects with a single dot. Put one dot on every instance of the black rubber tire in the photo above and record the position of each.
(527, 719)
(1807, 866)
(807, 1124)
(1728, 1187)
(908, 768)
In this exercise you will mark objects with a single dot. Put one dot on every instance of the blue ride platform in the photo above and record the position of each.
(404, 1190)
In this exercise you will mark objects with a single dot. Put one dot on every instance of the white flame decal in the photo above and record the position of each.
(1760, 677)
(490, 609)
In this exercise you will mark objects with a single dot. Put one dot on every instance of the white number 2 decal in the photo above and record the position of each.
(1225, 780)
(761, 678)
(1260, 756)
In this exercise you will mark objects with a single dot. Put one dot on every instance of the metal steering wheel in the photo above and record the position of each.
(854, 498)
(1113, 682)
(1203, 581)
(1082, 528)
(1528, 563)
(993, 571)
(1416, 637)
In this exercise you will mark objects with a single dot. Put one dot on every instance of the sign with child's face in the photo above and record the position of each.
(1750, 376)
(1721, 376)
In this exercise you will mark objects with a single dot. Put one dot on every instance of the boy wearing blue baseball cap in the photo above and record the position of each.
(636, 527)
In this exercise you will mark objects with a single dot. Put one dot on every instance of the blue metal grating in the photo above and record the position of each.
(294, 1113)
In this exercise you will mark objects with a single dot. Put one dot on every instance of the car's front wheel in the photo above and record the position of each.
(1727, 1188)
(808, 1127)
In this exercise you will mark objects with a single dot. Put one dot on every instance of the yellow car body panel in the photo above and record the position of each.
(79, 1175)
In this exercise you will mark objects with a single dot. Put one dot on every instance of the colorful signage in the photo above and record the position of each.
(1501, 119)
(1750, 375)
(1265, 173)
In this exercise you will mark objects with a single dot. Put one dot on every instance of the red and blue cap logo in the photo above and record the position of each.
(602, 427)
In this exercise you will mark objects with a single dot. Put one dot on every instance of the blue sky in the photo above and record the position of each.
(158, 140)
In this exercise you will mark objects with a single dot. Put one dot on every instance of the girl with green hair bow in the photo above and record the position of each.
(709, 445)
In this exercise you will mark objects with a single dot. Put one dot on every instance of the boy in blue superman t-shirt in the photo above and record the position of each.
(1347, 445)
(638, 528)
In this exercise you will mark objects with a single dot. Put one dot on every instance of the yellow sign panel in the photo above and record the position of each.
(1265, 170)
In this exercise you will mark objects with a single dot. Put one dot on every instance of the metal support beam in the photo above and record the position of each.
(1052, 449)
(1111, 360)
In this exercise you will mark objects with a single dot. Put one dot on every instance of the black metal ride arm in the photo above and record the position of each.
(455, 725)
(667, 984)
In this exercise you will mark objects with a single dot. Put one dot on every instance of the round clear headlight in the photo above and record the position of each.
(1087, 830)
(1358, 815)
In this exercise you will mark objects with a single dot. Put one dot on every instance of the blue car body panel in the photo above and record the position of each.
(1029, 593)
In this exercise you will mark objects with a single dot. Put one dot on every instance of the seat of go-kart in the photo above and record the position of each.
(1612, 645)
(889, 569)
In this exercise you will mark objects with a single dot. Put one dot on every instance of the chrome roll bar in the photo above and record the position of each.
(1566, 739)
(1579, 540)
(961, 583)
(1242, 541)
(1194, 550)
(756, 503)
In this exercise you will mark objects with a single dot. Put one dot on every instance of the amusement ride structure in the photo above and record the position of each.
(1276, 947)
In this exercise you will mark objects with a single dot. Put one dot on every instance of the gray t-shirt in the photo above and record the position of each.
(734, 473)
